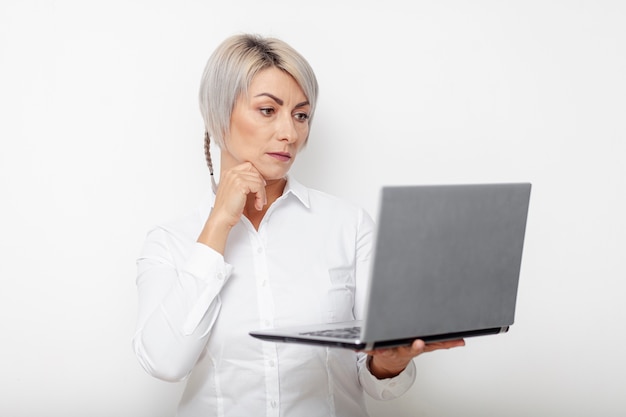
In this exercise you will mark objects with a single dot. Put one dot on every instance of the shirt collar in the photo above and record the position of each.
(298, 190)
(292, 187)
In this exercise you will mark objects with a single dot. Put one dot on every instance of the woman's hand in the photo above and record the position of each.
(387, 363)
(235, 186)
(232, 194)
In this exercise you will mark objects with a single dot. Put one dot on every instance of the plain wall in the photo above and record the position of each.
(101, 137)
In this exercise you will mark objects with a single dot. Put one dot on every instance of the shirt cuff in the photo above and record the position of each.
(388, 388)
(211, 272)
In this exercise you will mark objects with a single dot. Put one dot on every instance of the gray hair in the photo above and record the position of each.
(229, 72)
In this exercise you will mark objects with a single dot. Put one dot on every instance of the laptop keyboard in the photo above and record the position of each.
(343, 333)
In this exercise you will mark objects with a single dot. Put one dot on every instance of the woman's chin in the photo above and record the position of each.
(274, 174)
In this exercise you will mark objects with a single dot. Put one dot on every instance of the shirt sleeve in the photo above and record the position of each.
(388, 388)
(380, 389)
(364, 252)
(177, 305)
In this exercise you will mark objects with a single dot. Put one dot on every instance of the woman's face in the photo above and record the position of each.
(268, 126)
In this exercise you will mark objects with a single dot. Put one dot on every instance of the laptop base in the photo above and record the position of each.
(361, 345)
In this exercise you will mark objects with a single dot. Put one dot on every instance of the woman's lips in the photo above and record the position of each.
(281, 156)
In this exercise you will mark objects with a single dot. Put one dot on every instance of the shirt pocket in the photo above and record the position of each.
(340, 294)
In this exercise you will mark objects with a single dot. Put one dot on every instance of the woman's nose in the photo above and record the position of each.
(287, 129)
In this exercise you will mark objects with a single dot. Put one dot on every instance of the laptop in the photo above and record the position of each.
(446, 265)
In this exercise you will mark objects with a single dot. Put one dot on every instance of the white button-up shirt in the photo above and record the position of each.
(307, 263)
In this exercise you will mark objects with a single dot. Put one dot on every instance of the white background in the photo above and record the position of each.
(101, 137)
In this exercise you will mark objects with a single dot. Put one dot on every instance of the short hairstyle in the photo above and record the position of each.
(229, 72)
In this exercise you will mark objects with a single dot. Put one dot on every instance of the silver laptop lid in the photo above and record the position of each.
(447, 259)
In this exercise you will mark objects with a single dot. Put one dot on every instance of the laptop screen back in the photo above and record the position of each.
(447, 259)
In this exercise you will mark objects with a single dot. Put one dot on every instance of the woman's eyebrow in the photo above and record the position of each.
(281, 102)
(304, 103)
(273, 97)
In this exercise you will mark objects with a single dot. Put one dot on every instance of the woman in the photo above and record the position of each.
(263, 251)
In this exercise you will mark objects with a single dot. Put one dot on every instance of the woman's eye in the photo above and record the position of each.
(302, 117)
(267, 111)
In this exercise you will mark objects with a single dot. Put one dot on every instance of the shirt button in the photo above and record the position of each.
(259, 250)
(273, 403)
(220, 276)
